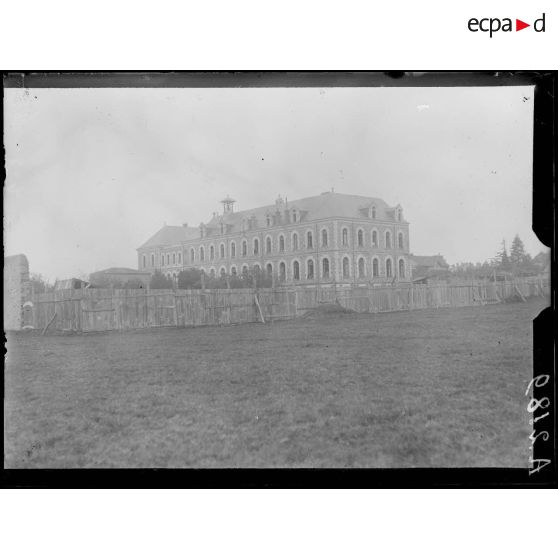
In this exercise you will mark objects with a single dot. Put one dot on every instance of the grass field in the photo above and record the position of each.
(430, 388)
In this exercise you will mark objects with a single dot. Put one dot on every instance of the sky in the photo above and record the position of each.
(93, 173)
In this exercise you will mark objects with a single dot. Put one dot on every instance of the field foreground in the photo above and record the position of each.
(429, 388)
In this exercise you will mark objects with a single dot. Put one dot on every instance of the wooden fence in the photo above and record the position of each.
(109, 309)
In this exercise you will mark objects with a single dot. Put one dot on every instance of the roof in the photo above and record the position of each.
(429, 261)
(120, 271)
(170, 234)
(328, 204)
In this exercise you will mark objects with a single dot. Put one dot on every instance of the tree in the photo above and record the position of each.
(517, 253)
(160, 281)
(502, 259)
(190, 279)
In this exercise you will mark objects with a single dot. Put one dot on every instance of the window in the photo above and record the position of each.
(401, 268)
(192, 255)
(168, 259)
(375, 239)
(257, 269)
(233, 271)
(202, 254)
(373, 212)
(310, 269)
(281, 243)
(233, 250)
(295, 241)
(309, 239)
(296, 271)
(212, 252)
(388, 239)
(325, 268)
(269, 269)
(179, 257)
(345, 237)
(222, 272)
(256, 246)
(361, 268)
(401, 244)
(222, 250)
(375, 270)
(399, 214)
(212, 273)
(152, 260)
(144, 261)
(324, 238)
(244, 248)
(268, 221)
(345, 268)
(294, 215)
(268, 245)
(282, 271)
(389, 271)
(360, 238)
(162, 259)
(174, 258)
(245, 270)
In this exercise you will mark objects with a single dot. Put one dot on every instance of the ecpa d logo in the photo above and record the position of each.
(494, 24)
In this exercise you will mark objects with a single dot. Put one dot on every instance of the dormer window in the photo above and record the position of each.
(399, 214)
(373, 212)
(294, 215)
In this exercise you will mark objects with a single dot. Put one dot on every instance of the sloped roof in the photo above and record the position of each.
(119, 270)
(328, 204)
(429, 261)
(170, 234)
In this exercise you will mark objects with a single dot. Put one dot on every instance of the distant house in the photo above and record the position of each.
(123, 277)
(72, 283)
(428, 268)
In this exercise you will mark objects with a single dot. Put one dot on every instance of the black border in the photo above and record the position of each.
(544, 324)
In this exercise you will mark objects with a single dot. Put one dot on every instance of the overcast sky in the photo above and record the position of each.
(93, 173)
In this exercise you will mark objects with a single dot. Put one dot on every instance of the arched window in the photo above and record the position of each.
(361, 268)
(256, 246)
(389, 271)
(295, 241)
(388, 239)
(222, 250)
(310, 269)
(345, 268)
(244, 248)
(294, 215)
(309, 239)
(345, 237)
(212, 252)
(269, 269)
(375, 268)
(168, 259)
(401, 268)
(245, 270)
(360, 238)
(400, 237)
(296, 271)
(257, 269)
(325, 268)
(233, 250)
(222, 272)
(282, 271)
(268, 245)
(174, 258)
(281, 243)
(233, 271)
(192, 254)
(202, 254)
(162, 259)
(373, 212)
(399, 215)
(268, 221)
(212, 273)
(144, 261)
(179, 257)
(152, 260)
(375, 239)
(324, 237)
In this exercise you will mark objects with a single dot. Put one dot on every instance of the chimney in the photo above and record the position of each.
(185, 225)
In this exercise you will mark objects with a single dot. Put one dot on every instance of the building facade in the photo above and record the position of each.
(327, 238)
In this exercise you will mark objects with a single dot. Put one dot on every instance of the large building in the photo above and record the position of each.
(327, 238)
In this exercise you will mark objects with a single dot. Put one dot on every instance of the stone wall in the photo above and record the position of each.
(16, 290)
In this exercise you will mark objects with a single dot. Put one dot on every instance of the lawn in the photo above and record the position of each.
(428, 388)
